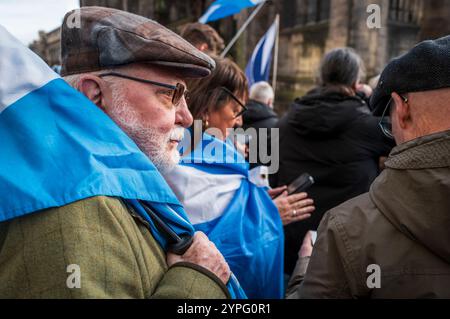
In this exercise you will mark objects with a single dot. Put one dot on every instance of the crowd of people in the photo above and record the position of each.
(379, 156)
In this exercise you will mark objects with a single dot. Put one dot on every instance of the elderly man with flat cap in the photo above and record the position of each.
(394, 242)
(134, 70)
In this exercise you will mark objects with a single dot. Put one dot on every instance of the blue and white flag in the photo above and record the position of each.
(241, 219)
(223, 8)
(258, 68)
(57, 147)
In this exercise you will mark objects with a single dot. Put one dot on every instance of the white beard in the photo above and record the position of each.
(152, 143)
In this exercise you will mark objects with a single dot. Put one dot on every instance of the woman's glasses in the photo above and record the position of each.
(243, 108)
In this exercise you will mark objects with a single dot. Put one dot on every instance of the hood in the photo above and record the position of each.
(413, 193)
(257, 111)
(323, 114)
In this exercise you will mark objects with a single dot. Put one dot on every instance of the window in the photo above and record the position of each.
(324, 10)
(405, 11)
(289, 14)
(302, 12)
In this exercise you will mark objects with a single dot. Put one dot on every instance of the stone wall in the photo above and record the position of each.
(48, 46)
(436, 19)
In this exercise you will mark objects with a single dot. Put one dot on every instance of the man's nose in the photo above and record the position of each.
(183, 116)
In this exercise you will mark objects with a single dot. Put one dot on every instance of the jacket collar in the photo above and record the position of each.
(431, 151)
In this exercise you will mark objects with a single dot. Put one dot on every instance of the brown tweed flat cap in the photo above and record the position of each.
(105, 37)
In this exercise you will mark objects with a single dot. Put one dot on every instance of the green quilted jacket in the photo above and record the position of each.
(94, 248)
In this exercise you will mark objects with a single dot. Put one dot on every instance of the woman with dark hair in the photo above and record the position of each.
(212, 181)
(218, 100)
(330, 134)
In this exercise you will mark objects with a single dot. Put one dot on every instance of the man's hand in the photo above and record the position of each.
(307, 246)
(204, 253)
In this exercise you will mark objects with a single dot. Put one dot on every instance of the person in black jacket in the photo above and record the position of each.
(260, 114)
(330, 134)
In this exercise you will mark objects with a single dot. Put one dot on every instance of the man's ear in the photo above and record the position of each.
(270, 103)
(94, 88)
(402, 111)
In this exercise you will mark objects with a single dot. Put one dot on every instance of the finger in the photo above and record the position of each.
(297, 197)
(306, 210)
(201, 235)
(303, 203)
(274, 192)
(199, 241)
(226, 274)
(282, 196)
(308, 238)
(277, 191)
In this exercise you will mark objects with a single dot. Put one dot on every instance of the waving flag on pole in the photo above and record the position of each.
(223, 8)
(258, 68)
(239, 217)
(57, 147)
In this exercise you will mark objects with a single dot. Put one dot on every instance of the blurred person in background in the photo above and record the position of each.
(329, 134)
(260, 113)
(203, 37)
(393, 242)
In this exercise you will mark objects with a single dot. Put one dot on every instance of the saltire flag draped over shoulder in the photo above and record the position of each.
(239, 217)
(258, 68)
(223, 8)
(58, 148)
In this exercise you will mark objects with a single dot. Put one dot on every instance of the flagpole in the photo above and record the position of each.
(275, 58)
(242, 29)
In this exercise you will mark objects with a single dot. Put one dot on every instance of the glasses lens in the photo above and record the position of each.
(178, 93)
(242, 107)
(385, 122)
(242, 110)
(386, 127)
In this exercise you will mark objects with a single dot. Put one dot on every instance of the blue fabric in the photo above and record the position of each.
(226, 8)
(249, 233)
(258, 70)
(58, 148)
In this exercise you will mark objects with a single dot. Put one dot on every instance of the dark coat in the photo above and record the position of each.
(334, 138)
(259, 115)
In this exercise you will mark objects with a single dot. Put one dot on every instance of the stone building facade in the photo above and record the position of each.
(309, 28)
(47, 46)
(172, 13)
